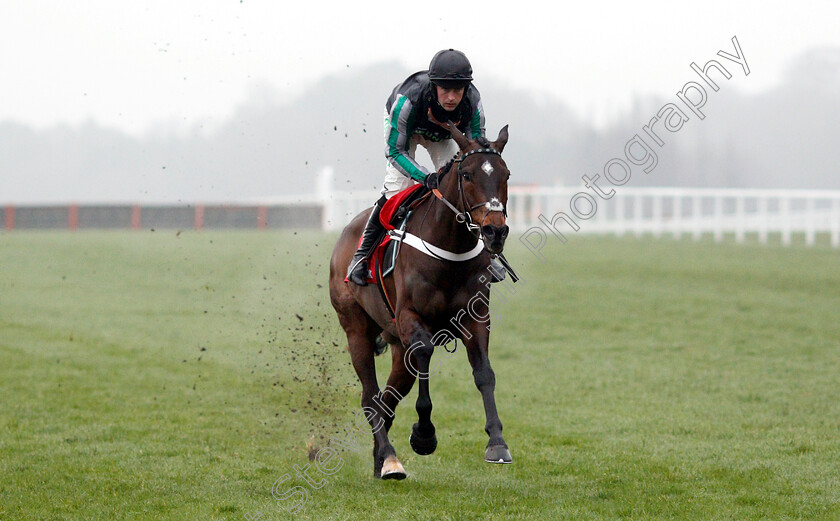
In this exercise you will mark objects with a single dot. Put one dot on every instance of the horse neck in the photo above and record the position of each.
(441, 228)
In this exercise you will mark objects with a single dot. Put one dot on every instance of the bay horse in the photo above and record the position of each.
(434, 299)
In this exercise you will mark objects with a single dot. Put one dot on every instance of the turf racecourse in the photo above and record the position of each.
(164, 375)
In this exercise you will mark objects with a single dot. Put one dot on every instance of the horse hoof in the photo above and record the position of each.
(392, 469)
(497, 454)
(422, 446)
(380, 346)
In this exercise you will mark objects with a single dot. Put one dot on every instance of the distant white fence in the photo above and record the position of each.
(656, 211)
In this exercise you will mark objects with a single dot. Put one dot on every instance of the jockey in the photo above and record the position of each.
(416, 113)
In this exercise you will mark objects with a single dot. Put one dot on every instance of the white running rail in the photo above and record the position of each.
(657, 211)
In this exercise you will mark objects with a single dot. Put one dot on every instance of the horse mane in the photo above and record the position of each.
(445, 168)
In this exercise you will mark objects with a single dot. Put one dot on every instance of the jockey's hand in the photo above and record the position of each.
(431, 181)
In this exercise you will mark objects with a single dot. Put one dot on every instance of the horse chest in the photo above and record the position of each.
(439, 300)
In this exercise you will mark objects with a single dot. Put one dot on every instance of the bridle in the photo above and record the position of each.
(493, 205)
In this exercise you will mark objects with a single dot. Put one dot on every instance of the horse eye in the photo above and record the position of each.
(467, 176)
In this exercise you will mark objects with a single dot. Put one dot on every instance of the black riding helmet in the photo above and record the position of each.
(450, 69)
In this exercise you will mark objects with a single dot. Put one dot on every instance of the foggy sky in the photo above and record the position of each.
(785, 137)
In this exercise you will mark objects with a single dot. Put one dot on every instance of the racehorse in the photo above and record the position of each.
(432, 298)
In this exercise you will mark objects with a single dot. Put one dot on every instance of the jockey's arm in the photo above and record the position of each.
(396, 149)
(476, 127)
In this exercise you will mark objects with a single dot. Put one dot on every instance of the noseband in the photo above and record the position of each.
(493, 205)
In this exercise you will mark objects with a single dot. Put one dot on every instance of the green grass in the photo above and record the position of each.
(177, 376)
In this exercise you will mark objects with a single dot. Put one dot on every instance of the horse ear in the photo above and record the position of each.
(459, 138)
(501, 141)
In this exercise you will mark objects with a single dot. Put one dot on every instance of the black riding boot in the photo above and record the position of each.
(358, 270)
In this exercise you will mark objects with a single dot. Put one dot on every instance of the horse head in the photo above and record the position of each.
(482, 181)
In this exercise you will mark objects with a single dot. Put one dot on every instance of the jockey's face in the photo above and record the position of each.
(449, 98)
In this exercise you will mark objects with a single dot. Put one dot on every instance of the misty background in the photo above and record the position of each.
(275, 144)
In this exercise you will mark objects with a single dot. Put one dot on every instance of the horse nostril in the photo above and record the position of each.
(495, 233)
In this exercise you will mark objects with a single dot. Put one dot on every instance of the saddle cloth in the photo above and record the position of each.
(392, 217)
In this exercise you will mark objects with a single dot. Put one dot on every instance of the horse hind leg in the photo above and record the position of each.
(387, 465)
(392, 469)
(400, 382)
(361, 332)
(361, 354)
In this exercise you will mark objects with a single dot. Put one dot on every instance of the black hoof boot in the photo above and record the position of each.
(380, 346)
(497, 454)
(420, 445)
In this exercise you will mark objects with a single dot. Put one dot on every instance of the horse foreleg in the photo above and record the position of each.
(400, 382)
(485, 380)
(417, 359)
